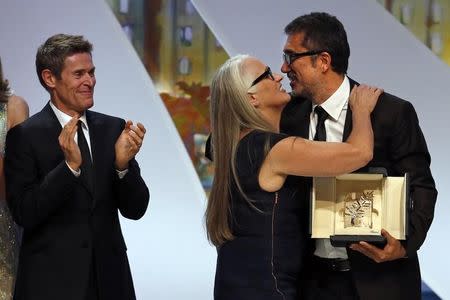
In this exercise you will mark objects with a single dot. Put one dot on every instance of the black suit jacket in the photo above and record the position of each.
(400, 147)
(65, 222)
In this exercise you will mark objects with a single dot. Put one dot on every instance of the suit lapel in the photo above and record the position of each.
(347, 125)
(304, 120)
(348, 118)
(50, 120)
(93, 134)
(54, 128)
(295, 117)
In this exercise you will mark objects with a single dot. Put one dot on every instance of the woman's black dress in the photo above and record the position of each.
(265, 257)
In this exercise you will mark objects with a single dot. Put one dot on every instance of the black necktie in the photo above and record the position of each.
(321, 134)
(86, 164)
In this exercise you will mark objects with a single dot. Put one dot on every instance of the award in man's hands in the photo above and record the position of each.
(355, 207)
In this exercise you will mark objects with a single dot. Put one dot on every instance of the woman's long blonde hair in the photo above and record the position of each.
(231, 112)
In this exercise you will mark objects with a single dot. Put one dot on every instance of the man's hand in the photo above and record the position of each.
(392, 251)
(68, 145)
(128, 144)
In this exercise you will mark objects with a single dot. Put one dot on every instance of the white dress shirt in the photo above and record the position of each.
(63, 119)
(336, 107)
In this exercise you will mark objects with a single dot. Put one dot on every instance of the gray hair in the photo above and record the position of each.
(231, 112)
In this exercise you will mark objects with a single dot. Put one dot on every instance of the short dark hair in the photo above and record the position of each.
(325, 32)
(52, 54)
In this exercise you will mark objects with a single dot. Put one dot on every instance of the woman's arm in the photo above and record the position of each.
(301, 157)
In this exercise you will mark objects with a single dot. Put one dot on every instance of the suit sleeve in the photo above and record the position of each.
(33, 197)
(132, 192)
(410, 154)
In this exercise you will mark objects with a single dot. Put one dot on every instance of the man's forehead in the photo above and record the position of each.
(294, 42)
(79, 59)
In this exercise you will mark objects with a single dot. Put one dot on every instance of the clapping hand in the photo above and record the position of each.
(128, 144)
(68, 145)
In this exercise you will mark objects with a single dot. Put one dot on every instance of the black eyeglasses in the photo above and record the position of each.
(289, 57)
(267, 73)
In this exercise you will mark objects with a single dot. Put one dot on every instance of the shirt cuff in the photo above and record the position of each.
(76, 173)
(121, 174)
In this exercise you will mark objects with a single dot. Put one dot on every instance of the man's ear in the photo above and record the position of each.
(253, 100)
(325, 61)
(48, 78)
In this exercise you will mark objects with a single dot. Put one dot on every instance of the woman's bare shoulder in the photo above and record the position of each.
(18, 110)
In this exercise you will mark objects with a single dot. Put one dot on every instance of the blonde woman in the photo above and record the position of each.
(252, 215)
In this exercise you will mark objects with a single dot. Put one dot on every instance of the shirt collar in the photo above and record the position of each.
(64, 118)
(337, 101)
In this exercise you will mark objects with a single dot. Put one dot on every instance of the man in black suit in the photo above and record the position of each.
(69, 171)
(316, 56)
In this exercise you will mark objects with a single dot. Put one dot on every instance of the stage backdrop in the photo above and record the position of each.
(383, 53)
(168, 252)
